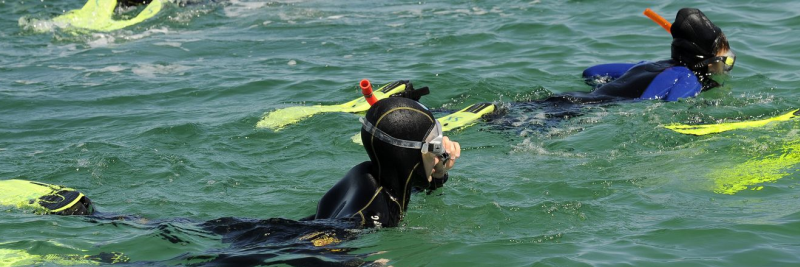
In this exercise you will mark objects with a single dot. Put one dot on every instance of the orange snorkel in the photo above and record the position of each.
(366, 90)
(658, 19)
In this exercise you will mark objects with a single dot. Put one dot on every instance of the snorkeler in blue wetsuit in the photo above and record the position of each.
(699, 51)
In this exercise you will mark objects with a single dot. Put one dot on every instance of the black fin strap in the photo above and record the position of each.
(412, 93)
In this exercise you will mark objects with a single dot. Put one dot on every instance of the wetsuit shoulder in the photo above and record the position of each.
(358, 195)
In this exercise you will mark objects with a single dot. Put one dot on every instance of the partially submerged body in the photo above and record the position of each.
(407, 150)
(700, 53)
(700, 50)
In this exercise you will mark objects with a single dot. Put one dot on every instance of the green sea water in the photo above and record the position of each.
(158, 121)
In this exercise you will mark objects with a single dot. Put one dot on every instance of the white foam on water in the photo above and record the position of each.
(147, 33)
(116, 68)
(241, 9)
(38, 25)
(101, 40)
(172, 44)
(153, 70)
(25, 82)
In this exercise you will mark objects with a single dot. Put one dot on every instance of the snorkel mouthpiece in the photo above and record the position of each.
(366, 90)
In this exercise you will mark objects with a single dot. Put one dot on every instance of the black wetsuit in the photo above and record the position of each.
(360, 197)
(127, 3)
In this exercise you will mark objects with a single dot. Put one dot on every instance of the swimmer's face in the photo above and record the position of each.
(724, 58)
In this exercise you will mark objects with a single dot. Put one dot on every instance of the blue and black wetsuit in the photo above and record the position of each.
(699, 49)
(666, 80)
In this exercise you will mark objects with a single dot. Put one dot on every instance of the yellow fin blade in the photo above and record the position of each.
(97, 15)
(14, 257)
(756, 172)
(279, 118)
(724, 127)
(466, 117)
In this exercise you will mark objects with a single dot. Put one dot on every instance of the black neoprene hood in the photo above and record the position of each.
(695, 37)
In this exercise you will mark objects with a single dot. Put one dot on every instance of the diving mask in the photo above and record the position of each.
(431, 146)
(720, 64)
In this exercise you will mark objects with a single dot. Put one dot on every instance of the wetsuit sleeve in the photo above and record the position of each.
(601, 74)
(438, 182)
(672, 84)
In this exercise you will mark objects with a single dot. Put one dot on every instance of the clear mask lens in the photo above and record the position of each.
(718, 65)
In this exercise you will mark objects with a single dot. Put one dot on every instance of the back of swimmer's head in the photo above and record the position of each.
(400, 118)
(696, 40)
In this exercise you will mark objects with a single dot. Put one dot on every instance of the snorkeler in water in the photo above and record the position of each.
(700, 51)
(407, 151)
(700, 56)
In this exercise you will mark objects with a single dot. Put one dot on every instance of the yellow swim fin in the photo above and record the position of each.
(459, 119)
(15, 257)
(466, 117)
(723, 127)
(279, 118)
(97, 15)
(41, 198)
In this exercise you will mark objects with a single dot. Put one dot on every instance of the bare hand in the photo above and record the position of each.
(452, 148)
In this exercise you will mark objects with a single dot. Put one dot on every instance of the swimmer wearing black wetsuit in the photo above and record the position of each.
(406, 150)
